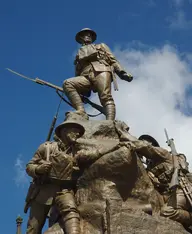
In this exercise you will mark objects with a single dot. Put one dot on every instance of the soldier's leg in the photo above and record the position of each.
(75, 86)
(67, 207)
(177, 208)
(37, 217)
(102, 84)
(53, 215)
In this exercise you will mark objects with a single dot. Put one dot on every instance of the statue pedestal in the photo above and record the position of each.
(114, 194)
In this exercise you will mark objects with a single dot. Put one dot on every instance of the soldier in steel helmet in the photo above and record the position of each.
(95, 66)
(54, 172)
(160, 169)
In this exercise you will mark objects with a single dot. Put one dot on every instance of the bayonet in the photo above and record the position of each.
(57, 88)
(19, 74)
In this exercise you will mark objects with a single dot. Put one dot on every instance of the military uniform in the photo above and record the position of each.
(160, 168)
(58, 183)
(95, 66)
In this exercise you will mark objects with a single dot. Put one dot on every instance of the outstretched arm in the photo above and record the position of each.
(119, 70)
(147, 150)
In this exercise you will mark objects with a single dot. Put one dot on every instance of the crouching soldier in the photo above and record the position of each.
(160, 166)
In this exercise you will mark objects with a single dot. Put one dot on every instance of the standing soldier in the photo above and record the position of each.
(95, 66)
(52, 169)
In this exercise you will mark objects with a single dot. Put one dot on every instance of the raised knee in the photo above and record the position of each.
(168, 211)
(66, 83)
(68, 86)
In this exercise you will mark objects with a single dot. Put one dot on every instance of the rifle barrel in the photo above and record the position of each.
(42, 82)
(166, 134)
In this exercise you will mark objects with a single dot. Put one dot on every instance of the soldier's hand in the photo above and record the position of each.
(130, 145)
(43, 168)
(127, 77)
(81, 154)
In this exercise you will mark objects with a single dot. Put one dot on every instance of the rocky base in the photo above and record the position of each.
(114, 194)
(128, 222)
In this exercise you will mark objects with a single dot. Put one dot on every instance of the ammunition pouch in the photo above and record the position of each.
(163, 172)
(62, 167)
(159, 186)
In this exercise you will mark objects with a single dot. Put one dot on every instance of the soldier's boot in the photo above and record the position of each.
(182, 216)
(71, 223)
(76, 102)
(110, 111)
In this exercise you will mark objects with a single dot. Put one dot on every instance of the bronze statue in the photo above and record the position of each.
(69, 132)
(54, 173)
(174, 188)
(95, 66)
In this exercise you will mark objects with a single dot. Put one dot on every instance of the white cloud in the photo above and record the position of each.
(179, 21)
(21, 177)
(148, 104)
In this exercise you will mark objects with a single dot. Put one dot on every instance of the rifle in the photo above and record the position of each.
(57, 88)
(54, 121)
(186, 189)
(175, 177)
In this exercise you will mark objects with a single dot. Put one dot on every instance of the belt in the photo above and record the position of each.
(65, 184)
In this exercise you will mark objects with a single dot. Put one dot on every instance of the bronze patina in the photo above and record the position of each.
(171, 182)
(95, 68)
(54, 174)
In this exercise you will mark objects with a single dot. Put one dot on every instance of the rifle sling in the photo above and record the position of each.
(57, 91)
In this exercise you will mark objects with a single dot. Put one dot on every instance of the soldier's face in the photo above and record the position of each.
(86, 38)
(70, 135)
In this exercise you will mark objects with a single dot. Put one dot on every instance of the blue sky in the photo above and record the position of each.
(37, 39)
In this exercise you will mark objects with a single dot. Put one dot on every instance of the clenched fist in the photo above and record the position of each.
(125, 76)
(43, 168)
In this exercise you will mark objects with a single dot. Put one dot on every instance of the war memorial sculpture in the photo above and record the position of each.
(91, 178)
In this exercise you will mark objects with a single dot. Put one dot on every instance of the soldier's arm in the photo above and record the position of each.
(77, 66)
(147, 150)
(111, 58)
(37, 159)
